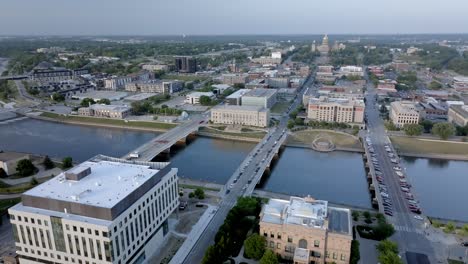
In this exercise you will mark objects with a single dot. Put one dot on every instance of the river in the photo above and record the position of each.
(440, 186)
(337, 176)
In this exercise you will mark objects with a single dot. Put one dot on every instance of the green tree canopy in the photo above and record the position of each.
(388, 252)
(254, 246)
(269, 257)
(48, 164)
(58, 97)
(434, 85)
(387, 245)
(205, 100)
(443, 130)
(413, 129)
(104, 101)
(199, 193)
(87, 102)
(25, 168)
(67, 162)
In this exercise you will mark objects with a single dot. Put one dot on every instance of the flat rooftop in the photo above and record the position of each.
(461, 110)
(240, 108)
(339, 220)
(108, 183)
(97, 95)
(261, 92)
(238, 93)
(139, 97)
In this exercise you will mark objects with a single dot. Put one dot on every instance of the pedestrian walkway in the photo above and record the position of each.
(240, 258)
(194, 235)
(407, 229)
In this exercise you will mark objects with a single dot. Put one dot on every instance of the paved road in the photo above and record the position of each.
(410, 232)
(237, 190)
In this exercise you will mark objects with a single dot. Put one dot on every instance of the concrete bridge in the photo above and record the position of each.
(377, 201)
(14, 77)
(161, 145)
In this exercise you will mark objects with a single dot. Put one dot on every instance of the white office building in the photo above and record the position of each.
(194, 98)
(104, 210)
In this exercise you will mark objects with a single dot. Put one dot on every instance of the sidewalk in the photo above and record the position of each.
(194, 235)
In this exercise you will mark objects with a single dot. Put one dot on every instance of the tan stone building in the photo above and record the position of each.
(402, 113)
(307, 231)
(240, 115)
(110, 111)
(458, 114)
(339, 110)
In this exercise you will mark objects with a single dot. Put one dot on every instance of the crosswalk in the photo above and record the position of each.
(407, 229)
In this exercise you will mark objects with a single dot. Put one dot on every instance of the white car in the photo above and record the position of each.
(417, 217)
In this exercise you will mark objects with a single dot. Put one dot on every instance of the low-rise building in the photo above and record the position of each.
(403, 112)
(155, 86)
(458, 114)
(51, 75)
(264, 60)
(351, 71)
(240, 115)
(338, 110)
(104, 210)
(278, 82)
(304, 230)
(260, 97)
(460, 83)
(155, 67)
(115, 83)
(109, 111)
(235, 78)
(194, 98)
(236, 97)
(9, 161)
(431, 111)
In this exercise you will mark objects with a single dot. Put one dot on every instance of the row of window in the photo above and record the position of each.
(302, 242)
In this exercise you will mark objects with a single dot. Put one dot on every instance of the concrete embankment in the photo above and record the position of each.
(298, 145)
(96, 124)
(229, 137)
(434, 156)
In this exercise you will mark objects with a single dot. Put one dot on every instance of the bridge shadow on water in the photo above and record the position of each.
(266, 174)
(174, 150)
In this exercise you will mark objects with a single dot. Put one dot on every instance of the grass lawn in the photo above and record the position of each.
(249, 135)
(339, 139)
(108, 121)
(422, 146)
(6, 189)
(452, 261)
(188, 186)
(280, 107)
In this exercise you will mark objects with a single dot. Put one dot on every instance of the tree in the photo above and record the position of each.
(34, 182)
(87, 102)
(269, 258)
(199, 193)
(384, 230)
(291, 124)
(413, 129)
(58, 97)
(104, 101)
(67, 162)
(355, 215)
(449, 227)
(254, 246)
(25, 168)
(443, 130)
(434, 85)
(388, 252)
(355, 254)
(390, 126)
(205, 100)
(387, 245)
(427, 125)
(48, 164)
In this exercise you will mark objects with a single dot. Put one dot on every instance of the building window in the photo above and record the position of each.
(272, 235)
(265, 234)
(272, 244)
(290, 240)
(343, 257)
(316, 243)
(334, 255)
(278, 236)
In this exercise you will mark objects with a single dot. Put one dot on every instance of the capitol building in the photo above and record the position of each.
(324, 48)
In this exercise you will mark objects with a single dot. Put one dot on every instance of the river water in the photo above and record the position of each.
(337, 176)
(440, 186)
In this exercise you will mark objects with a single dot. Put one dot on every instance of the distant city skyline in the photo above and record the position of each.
(222, 17)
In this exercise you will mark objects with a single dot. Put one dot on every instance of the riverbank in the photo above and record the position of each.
(103, 122)
(430, 148)
(303, 145)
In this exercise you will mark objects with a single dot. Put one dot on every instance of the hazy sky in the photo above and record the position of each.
(174, 17)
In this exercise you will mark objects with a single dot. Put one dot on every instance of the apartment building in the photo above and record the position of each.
(339, 110)
(51, 75)
(155, 86)
(403, 112)
(351, 71)
(105, 210)
(458, 114)
(185, 64)
(109, 111)
(155, 67)
(260, 97)
(116, 83)
(305, 230)
(240, 115)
